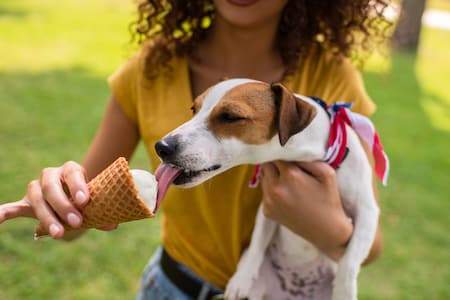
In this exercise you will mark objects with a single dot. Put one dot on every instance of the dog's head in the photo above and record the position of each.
(237, 121)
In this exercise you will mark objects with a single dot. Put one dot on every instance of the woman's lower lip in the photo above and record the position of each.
(242, 2)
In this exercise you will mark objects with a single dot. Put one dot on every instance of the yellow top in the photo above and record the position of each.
(207, 227)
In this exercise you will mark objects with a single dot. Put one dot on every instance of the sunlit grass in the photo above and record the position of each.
(432, 71)
(434, 74)
(38, 35)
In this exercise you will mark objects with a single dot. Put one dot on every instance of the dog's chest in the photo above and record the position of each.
(300, 270)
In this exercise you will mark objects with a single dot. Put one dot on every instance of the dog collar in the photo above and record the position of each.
(340, 116)
(337, 143)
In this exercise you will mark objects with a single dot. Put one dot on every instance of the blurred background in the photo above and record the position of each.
(55, 57)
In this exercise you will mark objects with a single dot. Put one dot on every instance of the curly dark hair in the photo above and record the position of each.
(349, 28)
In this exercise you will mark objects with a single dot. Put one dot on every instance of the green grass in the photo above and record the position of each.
(414, 122)
(55, 57)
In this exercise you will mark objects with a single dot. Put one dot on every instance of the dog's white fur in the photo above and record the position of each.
(278, 263)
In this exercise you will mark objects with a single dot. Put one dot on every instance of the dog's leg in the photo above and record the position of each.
(240, 285)
(365, 221)
(365, 226)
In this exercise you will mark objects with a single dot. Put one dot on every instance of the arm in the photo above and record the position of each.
(304, 198)
(117, 136)
(46, 199)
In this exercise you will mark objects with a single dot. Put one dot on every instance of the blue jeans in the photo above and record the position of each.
(155, 285)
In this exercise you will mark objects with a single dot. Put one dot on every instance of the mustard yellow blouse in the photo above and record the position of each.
(207, 227)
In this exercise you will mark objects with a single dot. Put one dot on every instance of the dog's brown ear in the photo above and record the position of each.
(293, 114)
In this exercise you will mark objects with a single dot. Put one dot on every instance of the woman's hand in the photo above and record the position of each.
(47, 199)
(303, 196)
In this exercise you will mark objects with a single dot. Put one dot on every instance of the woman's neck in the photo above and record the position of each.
(230, 51)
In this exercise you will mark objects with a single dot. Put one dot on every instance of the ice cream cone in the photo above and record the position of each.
(114, 199)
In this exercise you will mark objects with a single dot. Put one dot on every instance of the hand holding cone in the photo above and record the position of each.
(114, 199)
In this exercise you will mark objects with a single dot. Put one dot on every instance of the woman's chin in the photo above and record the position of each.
(249, 13)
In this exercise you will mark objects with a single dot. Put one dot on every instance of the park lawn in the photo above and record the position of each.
(55, 58)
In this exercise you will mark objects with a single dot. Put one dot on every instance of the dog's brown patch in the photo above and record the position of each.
(294, 114)
(197, 103)
(247, 113)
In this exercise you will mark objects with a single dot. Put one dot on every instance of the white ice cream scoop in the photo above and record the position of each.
(147, 187)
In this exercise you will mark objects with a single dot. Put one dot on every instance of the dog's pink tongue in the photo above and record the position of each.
(165, 175)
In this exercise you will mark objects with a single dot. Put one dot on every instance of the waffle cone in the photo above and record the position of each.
(114, 199)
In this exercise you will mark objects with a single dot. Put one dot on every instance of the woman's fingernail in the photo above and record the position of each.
(53, 229)
(73, 220)
(80, 198)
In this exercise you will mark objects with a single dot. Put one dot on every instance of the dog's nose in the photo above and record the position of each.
(165, 148)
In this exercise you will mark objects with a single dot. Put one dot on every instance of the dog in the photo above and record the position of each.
(243, 121)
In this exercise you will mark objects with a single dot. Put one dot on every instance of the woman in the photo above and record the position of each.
(188, 46)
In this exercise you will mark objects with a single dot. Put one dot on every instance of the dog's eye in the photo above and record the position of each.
(227, 117)
(193, 109)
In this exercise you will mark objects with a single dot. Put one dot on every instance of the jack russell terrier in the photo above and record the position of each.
(242, 121)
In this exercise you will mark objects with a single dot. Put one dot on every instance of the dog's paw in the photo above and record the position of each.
(237, 289)
(240, 286)
(344, 288)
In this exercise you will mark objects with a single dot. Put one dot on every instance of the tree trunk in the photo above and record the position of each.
(407, 33)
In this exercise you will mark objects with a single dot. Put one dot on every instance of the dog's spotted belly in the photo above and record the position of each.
(306, 275)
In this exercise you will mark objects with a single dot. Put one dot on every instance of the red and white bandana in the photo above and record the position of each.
(340, 116)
